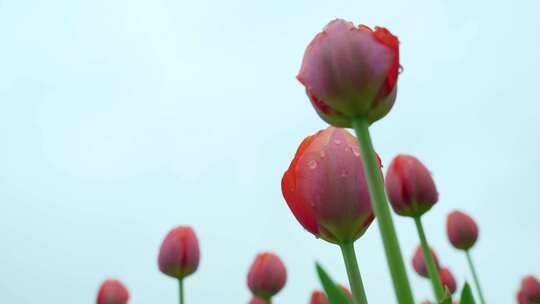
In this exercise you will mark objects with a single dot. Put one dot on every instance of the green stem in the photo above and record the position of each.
(475, 277)
(355, 280)
(374, 178)
(430, 263)
(181, 290)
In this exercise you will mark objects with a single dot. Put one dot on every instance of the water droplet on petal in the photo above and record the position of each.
(312, 164)
(400, 70)
(356, 152)
(322, 154)
(344, 172)
(337, 142)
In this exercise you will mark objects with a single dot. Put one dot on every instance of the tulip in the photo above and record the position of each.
(267, 276)
(531, 289)
(520, 296)
(419, 263)
(412, 192)
(351, 72)
(179, 255)
(350, 76)
(463, 233)
(112, 292)
(462, 230)
(410, 188)
(326, 190)
(448, 280)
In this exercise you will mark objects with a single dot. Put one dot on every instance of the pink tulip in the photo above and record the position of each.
(531, 289)
(462, 230)
(267, 276)
(351, 71)
(179, 253)
(326, 189)
(112, 292)
(419, 263)
(448, 280)
(410, 188)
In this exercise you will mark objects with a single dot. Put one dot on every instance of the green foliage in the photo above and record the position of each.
(333, 292)
(466, 295)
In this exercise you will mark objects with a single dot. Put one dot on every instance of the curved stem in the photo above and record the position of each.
(475, 277)
(379, 202)
(181, 290)
(430, 263)
(355, 280)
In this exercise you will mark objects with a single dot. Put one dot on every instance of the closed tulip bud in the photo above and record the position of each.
(531, 289)
(447, 279)
(462, 230)
(179, 253)
(112, 292)
(419, 264)
(410, 188)
(326, 189)
(351, 71)
(267, 275)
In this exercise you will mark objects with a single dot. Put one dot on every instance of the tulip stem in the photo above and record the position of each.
(355, 280)
(475, 277)
(181, 290)
(430, 263)
(379, 202)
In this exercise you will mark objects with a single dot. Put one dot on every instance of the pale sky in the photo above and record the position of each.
(122, 119)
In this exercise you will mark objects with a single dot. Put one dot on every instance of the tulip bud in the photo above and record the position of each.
(179, 253)
(351, 72)
(326, 189)
(419, 264)
(447, 279)
(112, 292)
(531, 289)
(410, 188)
(462, 230)
(267, 276)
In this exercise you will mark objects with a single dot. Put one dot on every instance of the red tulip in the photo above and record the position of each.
(326, 189)
(179, 253)
(447, 279)
(531, 289)
(112, 292)
(419, 264)
(410, 188)
(351, 72)
(462, 230)
(267, 275)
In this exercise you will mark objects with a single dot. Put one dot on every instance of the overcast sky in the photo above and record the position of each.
(122, 119)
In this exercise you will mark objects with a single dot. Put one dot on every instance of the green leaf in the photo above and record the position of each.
(333, 292)
(466, 295)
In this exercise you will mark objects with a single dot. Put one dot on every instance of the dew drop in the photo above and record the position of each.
(344, 172)
(312, 164)
(356, 152)
(322, 154)
(400, 70)
(337, 142)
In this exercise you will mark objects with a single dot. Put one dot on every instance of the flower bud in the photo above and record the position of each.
(351, 71)
(267, 276)
(531, 289)
(112, 292)
(410, 188)
(419, 264)
(462, 230)
(326, 189)
(447, 279)
(520, 296)
(179, 253)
